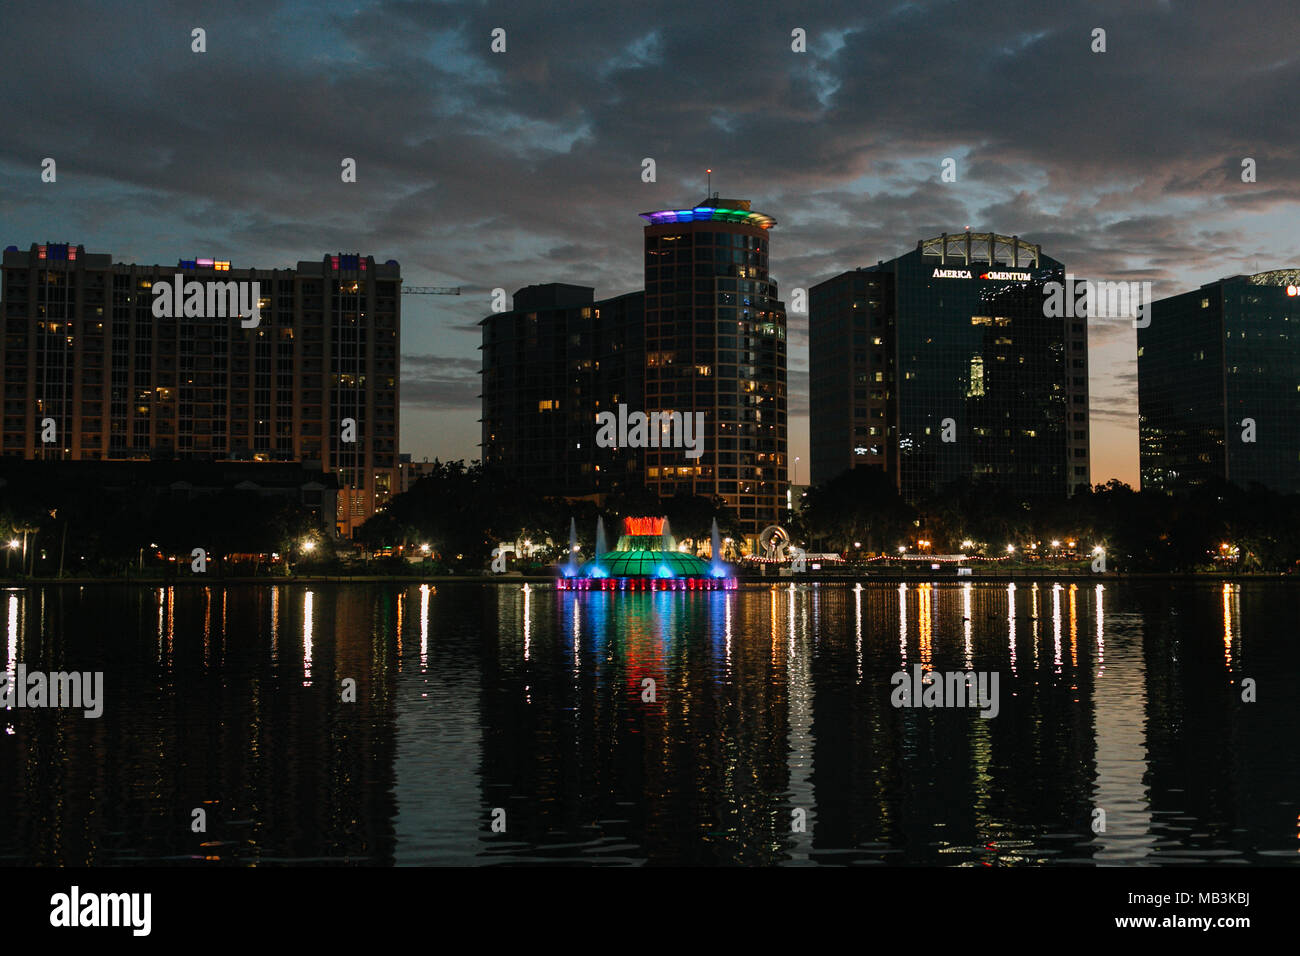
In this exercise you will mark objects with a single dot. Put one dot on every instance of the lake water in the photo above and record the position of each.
(1121, 736)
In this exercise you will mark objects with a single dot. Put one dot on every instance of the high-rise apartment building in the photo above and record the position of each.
(91, 372)
(944, 364)
(706, 337)
(1219, 385)
(715, 339)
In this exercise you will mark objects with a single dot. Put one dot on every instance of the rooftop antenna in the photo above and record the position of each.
(709, 189)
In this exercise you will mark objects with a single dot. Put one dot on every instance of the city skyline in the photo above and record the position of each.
(448, 433)
(526, 177)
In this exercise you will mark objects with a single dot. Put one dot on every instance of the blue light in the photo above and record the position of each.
(664, 571)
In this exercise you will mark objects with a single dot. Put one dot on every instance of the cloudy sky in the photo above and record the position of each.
(487, 170)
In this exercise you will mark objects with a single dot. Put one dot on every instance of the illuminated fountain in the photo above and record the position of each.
(646, 559)
(571, 563)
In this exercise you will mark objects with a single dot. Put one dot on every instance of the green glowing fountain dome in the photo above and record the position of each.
(647, 550)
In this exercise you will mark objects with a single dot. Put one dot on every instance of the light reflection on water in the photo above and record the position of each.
(750, 726)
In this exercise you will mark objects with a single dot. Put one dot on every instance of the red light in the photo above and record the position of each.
(643, 526)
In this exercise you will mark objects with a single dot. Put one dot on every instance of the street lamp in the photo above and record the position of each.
(1011, 549)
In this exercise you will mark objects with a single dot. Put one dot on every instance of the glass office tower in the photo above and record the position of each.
(1219, 385)
(943, 365)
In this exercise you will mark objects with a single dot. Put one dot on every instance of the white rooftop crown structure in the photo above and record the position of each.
(968, 247)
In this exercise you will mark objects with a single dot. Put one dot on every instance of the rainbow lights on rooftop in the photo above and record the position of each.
(709, 214)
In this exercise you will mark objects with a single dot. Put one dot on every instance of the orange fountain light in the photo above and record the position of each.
(642, 526)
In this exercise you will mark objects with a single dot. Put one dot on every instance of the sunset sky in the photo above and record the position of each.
(488, 170)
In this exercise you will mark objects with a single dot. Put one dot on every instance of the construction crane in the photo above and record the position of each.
(430, 290)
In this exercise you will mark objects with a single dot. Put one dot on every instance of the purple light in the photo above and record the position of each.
(708, 214)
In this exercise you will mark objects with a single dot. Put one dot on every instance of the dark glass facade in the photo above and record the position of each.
(550, 366)
(950, 341)
(1216, 366)
(851, 391)
(716, 343)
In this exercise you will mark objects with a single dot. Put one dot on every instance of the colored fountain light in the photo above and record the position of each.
(646, 558)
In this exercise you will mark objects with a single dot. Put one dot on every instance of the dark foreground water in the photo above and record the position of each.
(1121, 736)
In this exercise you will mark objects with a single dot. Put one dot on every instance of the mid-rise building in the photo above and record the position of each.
(944, 364)
(551, 364)
(1219, 385)
(91, 372)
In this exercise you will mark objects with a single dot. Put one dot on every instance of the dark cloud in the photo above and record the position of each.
(440, 382)
(501, 170)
